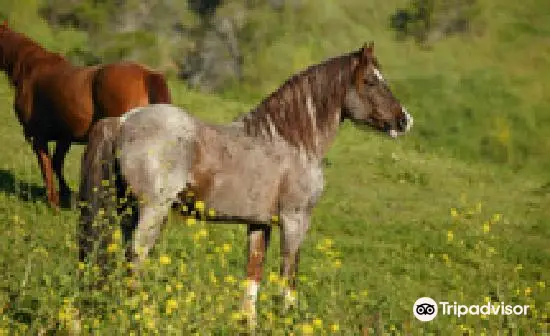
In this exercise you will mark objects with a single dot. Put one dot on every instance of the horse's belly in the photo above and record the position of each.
(247, 192)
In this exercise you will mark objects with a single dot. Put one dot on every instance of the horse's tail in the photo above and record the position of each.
(159, 92)
(98, 189)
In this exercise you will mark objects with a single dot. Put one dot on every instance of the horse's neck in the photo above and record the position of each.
(19, 64)
(314, 141)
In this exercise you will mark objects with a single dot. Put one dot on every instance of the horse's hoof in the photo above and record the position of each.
(54, 207)
(68, 201)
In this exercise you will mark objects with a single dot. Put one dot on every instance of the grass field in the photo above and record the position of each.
(459, 210)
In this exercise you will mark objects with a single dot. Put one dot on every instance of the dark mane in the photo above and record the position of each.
(20, 54)
(286, 109)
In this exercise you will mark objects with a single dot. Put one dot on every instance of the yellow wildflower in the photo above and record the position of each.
(450, 236)
(486, 227)
(454, 212)
(113, 247)
(226, 247)
(117, 234)
(191, 221)
(171, 305)
(307, 329)
(165, 260)
(334, 327)
(317, 323)
(273, 277)
(230, 279)
(213, 278)
(237, 316)
(151, 324)
(190, 297)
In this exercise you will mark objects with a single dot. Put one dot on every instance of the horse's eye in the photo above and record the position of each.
(370, 81)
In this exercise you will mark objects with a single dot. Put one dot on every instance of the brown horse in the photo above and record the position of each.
(265, 165)
(56, 101)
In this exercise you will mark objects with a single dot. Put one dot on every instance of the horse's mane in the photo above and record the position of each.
(286, 111)
(19, 54)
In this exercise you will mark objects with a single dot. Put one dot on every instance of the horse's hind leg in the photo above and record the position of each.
(61, 149)
(40, 148)
(258, 241)
(151, 220)
(294, 227)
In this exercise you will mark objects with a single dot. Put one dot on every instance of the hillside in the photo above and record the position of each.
(458, 210)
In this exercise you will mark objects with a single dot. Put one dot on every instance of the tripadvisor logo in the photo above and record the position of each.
(426, 309)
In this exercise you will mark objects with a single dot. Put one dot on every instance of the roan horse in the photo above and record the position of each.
(56, 101)
(265, 165)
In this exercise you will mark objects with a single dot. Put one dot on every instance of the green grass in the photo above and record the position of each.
(457, 210)
(386, 210)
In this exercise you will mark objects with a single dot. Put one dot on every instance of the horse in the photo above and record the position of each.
(262, 169)
(57, 101)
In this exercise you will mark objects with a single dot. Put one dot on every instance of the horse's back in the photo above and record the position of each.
(120, 87)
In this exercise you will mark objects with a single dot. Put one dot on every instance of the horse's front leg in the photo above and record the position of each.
(294, 227)
(61, 149)
(40, 148)
(258, 242)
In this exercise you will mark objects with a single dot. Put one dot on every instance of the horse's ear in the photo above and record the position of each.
(368, 49)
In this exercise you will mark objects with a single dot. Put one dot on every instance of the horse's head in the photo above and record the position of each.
(370, 100)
